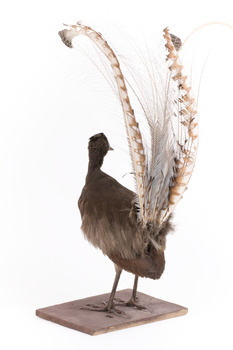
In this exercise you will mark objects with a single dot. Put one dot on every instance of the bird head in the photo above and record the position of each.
(99, 141)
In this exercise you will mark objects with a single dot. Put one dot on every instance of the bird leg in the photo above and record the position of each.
(132, 302)
(135, 286)
(109, 306)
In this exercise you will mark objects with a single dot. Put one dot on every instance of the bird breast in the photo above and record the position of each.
(105, 207)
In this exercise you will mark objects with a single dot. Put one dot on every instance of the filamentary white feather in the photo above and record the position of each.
(162, 168)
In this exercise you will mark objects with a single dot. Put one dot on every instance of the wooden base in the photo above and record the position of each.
(93, 322)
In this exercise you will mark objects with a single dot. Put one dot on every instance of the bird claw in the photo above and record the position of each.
(131, 303)
(110, 310)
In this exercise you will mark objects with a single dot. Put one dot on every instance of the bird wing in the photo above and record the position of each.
(162, 167)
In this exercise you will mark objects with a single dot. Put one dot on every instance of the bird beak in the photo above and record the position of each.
(110, 148)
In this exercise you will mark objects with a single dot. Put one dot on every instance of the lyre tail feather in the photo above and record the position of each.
(136, 148)
(187, 114)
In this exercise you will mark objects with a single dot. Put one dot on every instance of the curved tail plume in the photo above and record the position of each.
(134, 135)
(187, 135)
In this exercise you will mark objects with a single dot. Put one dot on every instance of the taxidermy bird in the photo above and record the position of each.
(131, 228)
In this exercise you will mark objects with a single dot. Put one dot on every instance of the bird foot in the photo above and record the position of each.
(111, 310)
(131, 303)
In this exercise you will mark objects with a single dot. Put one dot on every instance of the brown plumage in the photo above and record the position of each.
(109, 220)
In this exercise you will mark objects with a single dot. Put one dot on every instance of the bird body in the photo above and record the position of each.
(109, 219)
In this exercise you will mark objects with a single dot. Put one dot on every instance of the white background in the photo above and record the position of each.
(47, 116)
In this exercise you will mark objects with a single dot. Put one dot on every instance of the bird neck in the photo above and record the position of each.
(96, 158)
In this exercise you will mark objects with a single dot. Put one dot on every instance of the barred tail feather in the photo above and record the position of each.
(136, 148)
(188, 127)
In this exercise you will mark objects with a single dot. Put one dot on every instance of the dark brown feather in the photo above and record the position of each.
(108, 220)
(151, 264)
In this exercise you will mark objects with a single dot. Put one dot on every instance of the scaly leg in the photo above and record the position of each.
(133, 299)
(135, 286)
(109, 306)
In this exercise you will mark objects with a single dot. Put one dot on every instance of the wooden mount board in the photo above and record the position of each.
(72, 316)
